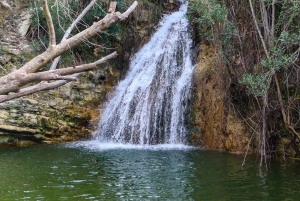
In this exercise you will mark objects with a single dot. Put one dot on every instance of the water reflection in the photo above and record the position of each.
(144, 173)
(58, 172)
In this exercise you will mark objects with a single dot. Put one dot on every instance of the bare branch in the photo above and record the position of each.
(54, 75)
(293, 130)
(130, 9)
(52, 37)
(258, 30)
(13, 82)
(69, 30)
(273, 19)
(38, 22)
(42, 86)
(107, 21)
(45, 76)
(59, 73)
(265, 21)
(280, 100)
(5, 5)
(112, 7)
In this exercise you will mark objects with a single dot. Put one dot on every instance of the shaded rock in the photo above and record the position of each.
(71, 111)
(214, 125)
(24, 24)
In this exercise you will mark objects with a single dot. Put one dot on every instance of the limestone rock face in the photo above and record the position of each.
(214, 125)
(14, 48)
(70, 112)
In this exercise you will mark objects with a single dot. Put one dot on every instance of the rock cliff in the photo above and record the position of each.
(71, 111)
(214, 125)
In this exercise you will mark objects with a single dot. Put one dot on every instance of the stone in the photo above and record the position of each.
(24, 24)
(16, 129)
(15, 52)
(3, 114)
(71, 111)
(220, 128)
(5, 5)
(5, 59)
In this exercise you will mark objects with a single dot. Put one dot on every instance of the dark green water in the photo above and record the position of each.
(65, 172)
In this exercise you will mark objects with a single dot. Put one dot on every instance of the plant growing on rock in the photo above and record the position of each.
(19, 83)
(278, 32)
(207, 17)
(262, 61)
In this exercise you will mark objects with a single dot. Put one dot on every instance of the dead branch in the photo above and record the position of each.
(258, 30)
(293, 131)
(42, 86)
(59, 74)
(13, 82)
(52, 37)
(69, 30)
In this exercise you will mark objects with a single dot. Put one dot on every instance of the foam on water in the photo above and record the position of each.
(96, 146)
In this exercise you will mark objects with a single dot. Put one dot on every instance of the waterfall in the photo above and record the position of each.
(149, 105)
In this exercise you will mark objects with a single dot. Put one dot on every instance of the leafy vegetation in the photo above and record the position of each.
(259, 46)
(206, 16)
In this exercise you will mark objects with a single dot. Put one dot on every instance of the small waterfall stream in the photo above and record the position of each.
(148, 106)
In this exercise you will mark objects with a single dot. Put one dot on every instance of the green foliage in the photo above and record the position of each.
(278, 60)
(289, 17)
(225, 40)
(288, 39)
(267, 1)
(22, 59)
(77, 98)
(206, 15)
(68, 119)
(256, 84)
(227, 33)
(283, 50)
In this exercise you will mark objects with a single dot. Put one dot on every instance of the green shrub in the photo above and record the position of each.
(256, 84)
(206, 16)
(282, 50)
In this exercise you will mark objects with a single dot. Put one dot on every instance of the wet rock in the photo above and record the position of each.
(219, 128)
(16, 129)
(71, 111)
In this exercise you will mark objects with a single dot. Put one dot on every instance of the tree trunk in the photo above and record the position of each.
(13, 82)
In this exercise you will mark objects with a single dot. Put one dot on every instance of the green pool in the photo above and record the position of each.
(93, 171)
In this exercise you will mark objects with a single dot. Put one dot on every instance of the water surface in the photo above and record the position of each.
(93, 171)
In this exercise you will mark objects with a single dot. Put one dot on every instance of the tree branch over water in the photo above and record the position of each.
(14, 84)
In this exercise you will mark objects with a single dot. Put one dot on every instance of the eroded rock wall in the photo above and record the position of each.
(214, 124)
(70, 112)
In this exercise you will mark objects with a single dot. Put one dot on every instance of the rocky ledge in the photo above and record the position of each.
(70, 112)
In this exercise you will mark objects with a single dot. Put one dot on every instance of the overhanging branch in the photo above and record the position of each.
(69, 30)
(42, 86)
(14, 81)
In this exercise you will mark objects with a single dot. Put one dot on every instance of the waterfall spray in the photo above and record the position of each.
(148, 106)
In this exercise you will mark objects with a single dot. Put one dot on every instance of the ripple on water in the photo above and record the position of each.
(74, 172)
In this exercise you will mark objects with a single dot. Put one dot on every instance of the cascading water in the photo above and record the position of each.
(148, 106)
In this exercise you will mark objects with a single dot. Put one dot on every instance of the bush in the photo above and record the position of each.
(206, 16)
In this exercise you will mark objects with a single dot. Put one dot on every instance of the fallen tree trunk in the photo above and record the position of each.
(11, 85)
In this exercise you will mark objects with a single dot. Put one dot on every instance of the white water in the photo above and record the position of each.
(94, 145)
(148, 106)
